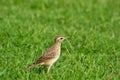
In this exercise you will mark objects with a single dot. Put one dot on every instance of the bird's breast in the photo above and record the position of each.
(57, 55)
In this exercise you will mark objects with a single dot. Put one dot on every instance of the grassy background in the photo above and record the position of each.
(28, 28)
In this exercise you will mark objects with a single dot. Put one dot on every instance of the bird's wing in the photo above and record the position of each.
(49, 54)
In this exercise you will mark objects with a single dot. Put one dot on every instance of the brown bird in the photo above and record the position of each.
(50, 56)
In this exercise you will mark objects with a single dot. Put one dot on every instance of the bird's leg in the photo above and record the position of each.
(49, 68)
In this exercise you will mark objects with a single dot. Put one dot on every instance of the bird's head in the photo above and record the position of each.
(59, 38)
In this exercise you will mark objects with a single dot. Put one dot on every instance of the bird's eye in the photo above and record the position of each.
(61, 38)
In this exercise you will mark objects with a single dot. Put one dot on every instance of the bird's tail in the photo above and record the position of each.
(29, 67)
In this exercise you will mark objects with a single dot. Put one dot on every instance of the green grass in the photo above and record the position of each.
(28, 28)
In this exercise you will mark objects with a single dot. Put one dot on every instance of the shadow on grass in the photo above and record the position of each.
(41, 70)
(38, 70)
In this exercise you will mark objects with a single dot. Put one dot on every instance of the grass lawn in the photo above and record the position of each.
(28, 28)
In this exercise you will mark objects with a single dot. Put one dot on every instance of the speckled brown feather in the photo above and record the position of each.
(51, 55)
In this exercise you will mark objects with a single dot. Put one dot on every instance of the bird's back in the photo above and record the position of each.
(50, 56)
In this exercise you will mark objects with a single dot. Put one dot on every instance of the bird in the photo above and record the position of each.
(50, 56)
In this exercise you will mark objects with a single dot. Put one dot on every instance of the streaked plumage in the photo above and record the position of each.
(50, 56)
